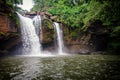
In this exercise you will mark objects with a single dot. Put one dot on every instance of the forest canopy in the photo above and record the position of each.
(71, 12)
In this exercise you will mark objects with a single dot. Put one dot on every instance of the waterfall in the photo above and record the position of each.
(37, 21)
(31, 44)
(59, 38)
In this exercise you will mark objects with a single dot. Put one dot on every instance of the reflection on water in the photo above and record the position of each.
(60, 68)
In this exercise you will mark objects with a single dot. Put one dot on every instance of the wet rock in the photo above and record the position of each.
(8, 42)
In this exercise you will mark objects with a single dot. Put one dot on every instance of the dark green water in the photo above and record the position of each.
(75, 67)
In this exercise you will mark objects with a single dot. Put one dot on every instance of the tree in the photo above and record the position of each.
(13, 4)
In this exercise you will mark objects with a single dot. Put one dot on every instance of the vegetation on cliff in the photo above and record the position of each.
(10, 7)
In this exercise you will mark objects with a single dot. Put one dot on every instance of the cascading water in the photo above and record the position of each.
(59, 38)
(31, 44)
(38, 26)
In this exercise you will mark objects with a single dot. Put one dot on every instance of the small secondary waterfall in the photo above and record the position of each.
(31, 43)
(59, 38)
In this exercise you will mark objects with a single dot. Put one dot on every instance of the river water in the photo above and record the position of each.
(74, 67)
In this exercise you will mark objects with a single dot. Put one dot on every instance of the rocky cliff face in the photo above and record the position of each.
(99, 35)
(94, 38)
(7, 24)
(9, 36)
